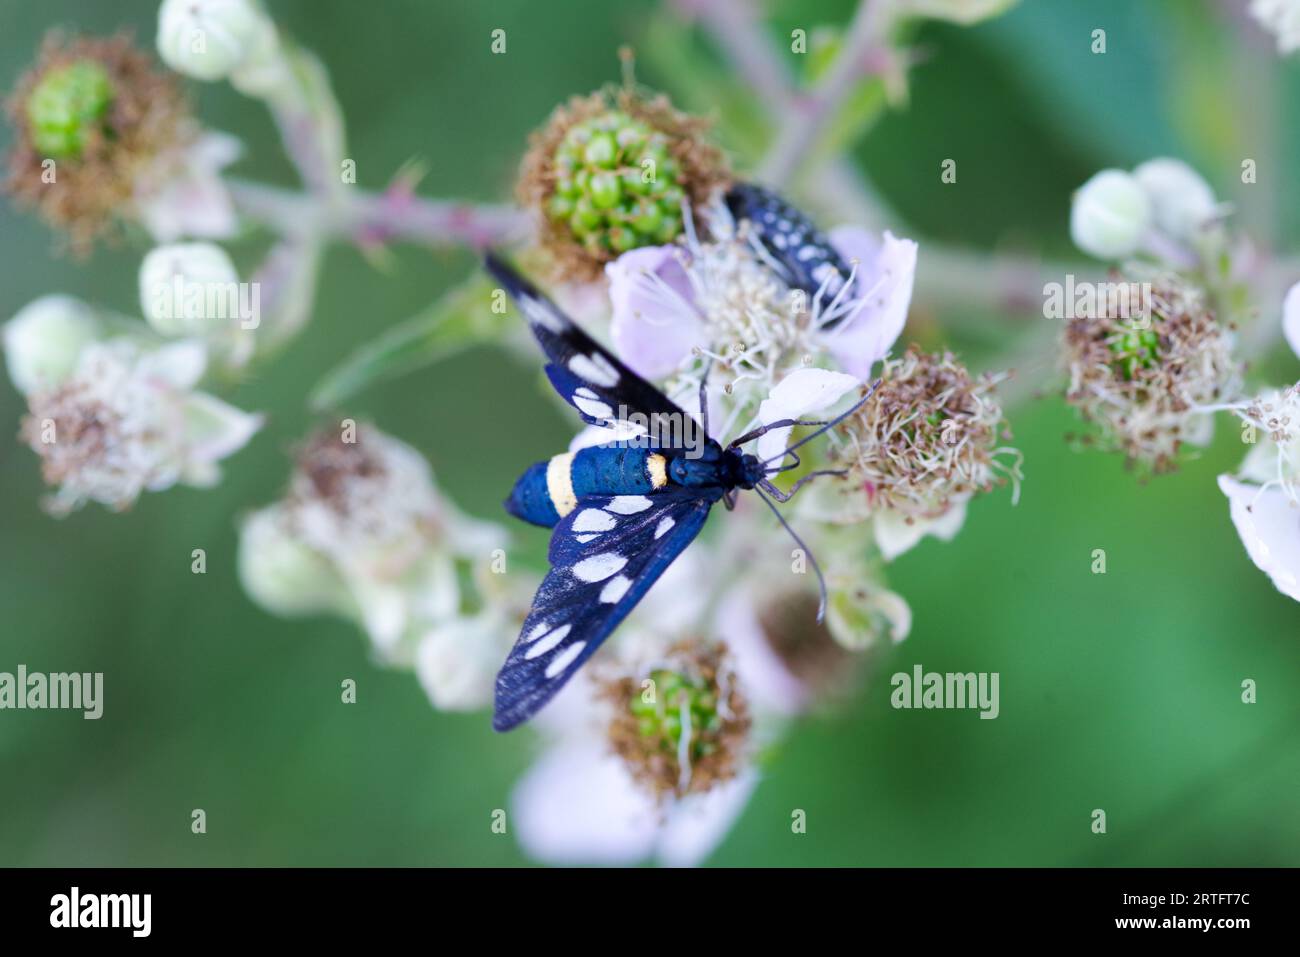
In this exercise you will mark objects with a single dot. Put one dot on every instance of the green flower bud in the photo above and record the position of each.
(624, 183)
(67, 106)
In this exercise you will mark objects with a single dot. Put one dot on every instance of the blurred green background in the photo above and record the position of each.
(1119, 691)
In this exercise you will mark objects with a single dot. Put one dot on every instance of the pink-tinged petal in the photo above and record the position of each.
(800, 393)
(886, 274)
(698, 824)
(1291, 318)
(655, 325)
(192, 200)
(1269, 526)
(578, 805)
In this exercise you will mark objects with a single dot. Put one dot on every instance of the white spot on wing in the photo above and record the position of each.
(598, 567)
(594, 368)
(584, 539)
(538, 312)
(665, 523)
(547, 643)
(537, 632)
(565, 658)
(593, 407)
(593, 520)
(628, 504)
(615, 589)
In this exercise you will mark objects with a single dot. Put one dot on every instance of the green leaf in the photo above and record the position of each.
(460, 319)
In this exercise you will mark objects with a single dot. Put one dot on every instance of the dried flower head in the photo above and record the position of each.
(928, 439)
(1148, 379)
(356, 490)
(126, 421)
(610, 171)
(681, 727)
(91, 119)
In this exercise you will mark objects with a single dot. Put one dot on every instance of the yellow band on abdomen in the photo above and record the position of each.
(656, 467)
(559, 483)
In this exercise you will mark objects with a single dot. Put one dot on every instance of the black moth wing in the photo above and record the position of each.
(585, 373)
(802, 252)
(605, 555)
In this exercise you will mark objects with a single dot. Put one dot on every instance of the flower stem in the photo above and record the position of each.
(359, 215)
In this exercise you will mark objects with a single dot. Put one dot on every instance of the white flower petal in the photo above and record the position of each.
(895, 535)
(1269, 527)
(216, 429)
(766, 681)
(281, 573)
(383, 610)
(1291, 318)
(698, 824)
(801, 392)
(886, 274)
(179, 365)
(578, 805)
(457, 661)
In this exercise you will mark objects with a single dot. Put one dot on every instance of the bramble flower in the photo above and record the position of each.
(127, 420)
(1149, 382)
(712, 301)
(101, 135)
(1280, 18)
(930, 438)
(611, 172)
(1264, 494)
(649, 750)
(680, 726)
(364, 532)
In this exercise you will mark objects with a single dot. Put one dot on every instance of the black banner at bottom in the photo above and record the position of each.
(337, 905)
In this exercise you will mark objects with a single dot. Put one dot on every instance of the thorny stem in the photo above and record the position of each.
(805, 119)
(361, 216)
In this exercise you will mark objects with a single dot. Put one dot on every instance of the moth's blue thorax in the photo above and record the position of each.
(715, 467)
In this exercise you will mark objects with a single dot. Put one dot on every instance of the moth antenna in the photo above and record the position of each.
(828, 426)
(821, 580)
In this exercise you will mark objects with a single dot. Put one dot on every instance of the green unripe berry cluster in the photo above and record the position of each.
(617, 185)
(660, 717)
(1135, 349)
(67, 106)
